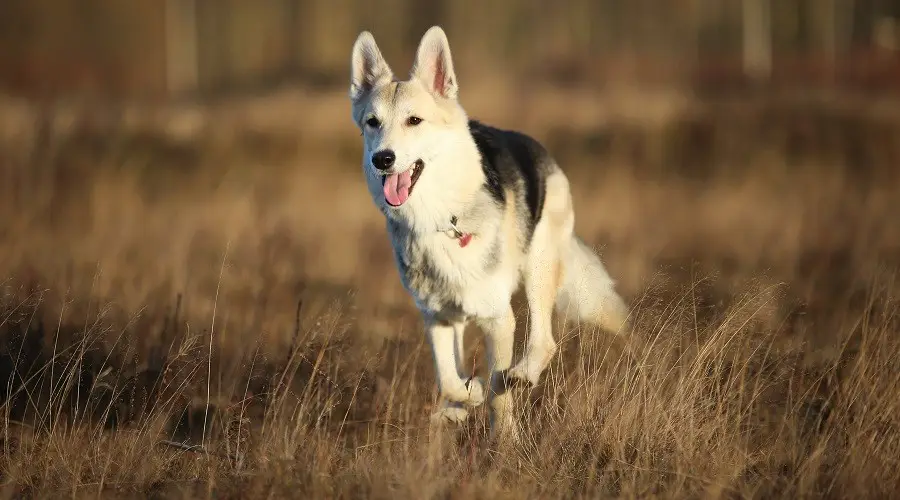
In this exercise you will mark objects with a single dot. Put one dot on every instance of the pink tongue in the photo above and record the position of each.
(396, 188)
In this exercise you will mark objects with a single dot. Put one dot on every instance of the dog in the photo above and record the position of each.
(473, 213)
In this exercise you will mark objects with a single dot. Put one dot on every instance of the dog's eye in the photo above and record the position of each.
(412, 121)
(373, 122)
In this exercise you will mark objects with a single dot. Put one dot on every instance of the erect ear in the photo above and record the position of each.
(368, 68)
(434, 65)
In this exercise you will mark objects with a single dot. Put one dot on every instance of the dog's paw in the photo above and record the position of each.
(504, 428)
(530, 367)
(470, 393)
(504, 434)
(524, 373)
(450, 413)
(475, 392)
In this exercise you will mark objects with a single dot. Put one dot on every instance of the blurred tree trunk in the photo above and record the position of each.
(331, 27)
(181, 46)
(293, 33)
(423, 15)
(212, 55)
(826, 28)
(757, 43)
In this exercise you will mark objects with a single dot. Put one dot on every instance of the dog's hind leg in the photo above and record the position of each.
(454, 411)
(499, 336)
(541, 285)
(457, 391)
(543, 278)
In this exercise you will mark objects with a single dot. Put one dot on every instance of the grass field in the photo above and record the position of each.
(220, 317)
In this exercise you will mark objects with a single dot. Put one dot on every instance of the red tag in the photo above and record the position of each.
(465, 239)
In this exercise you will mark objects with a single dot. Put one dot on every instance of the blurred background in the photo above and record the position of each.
(158, 49)
(204, 149)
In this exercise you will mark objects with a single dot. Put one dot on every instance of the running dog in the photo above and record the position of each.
(473, 212)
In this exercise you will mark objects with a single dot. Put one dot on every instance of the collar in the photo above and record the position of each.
(463, 238)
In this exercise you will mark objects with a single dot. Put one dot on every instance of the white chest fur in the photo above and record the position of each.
(448, 280)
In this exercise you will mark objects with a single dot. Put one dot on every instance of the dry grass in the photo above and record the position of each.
(199, 318)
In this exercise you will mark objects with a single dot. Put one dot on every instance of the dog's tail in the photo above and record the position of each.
(588, 294)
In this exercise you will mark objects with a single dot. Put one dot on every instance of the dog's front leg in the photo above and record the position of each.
(457, 393)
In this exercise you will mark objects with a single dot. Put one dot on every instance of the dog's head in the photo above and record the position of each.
(412, 129)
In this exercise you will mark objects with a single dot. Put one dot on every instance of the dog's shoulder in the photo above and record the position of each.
(498, 146)
(514, 161)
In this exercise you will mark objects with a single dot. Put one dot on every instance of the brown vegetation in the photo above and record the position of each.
(219, 315)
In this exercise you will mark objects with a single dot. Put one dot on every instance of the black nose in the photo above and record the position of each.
(384, 159)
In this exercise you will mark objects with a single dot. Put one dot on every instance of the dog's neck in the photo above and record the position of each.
(458, 220)
(462, 237)
(454, 221)
(451, 207)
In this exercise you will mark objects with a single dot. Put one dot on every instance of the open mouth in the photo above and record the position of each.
(399, 186)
